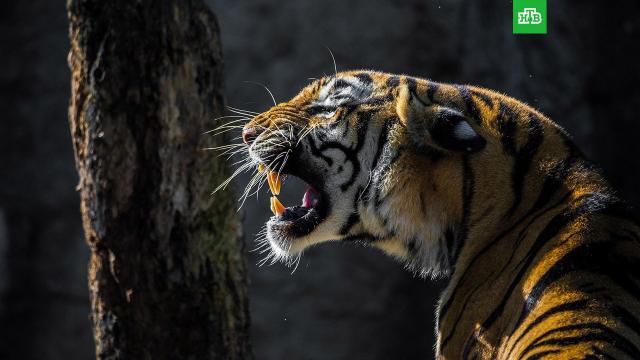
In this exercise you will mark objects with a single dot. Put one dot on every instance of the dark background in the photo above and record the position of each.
(343, 302)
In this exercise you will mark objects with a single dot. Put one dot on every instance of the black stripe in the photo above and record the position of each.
(382, 141)
(341, 84)
(414, 95)
(412, 247)
(585, 257)
(523, 159)
(364, 78)
(472, 110)
(350, 108)
(443, 255)
(385, 167)
(393, 81)
(320, 109)
(570, 306)
(507, 128)
(352, 220)
(335, 124)
(378, 101)
(453, 246)
(432, 88)
(315, 151)
(467, 199)
(603, 334)
(364, 120)
(412, 84)
(337, 98)
(552, 182)
(483, 97)
(423, 208)
(363, 237)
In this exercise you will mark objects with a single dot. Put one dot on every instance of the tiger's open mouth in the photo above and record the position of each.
(290, 223)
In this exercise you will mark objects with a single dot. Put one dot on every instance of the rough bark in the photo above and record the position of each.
(167, 277)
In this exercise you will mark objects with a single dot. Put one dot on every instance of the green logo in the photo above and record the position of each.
(529, 16)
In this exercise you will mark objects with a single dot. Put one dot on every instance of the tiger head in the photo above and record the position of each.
(403, 164)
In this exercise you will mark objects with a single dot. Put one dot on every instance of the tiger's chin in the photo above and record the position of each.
(291, 232)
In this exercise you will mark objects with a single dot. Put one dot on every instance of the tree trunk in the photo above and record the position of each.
(167, 275)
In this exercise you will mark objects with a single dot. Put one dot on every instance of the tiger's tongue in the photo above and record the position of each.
(310, 198)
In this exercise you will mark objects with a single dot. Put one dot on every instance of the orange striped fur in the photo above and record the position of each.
(465, 182)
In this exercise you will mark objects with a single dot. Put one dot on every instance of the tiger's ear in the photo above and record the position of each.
(437, 126)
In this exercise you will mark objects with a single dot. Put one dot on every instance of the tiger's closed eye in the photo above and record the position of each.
(322, 110)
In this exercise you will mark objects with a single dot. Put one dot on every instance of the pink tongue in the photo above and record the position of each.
(310, 198)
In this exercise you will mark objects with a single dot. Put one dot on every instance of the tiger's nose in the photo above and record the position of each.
(248, 135)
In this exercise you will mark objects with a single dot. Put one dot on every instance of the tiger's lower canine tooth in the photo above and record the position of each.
(276, 206)
(274, 182)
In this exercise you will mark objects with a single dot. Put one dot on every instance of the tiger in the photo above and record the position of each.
(465, 183)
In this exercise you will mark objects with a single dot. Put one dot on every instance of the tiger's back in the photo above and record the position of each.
(564, 283)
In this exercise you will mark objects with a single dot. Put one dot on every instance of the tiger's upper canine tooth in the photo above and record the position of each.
(274, 182)
(261, 167)
(276, 206)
